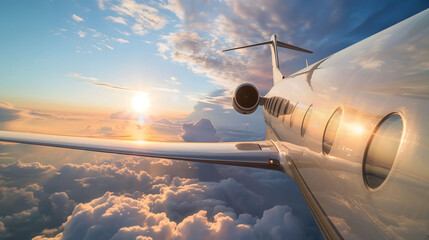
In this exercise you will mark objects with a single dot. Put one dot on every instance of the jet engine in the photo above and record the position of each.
(246, 98)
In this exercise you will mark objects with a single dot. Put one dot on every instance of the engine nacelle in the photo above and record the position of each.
(245, 99)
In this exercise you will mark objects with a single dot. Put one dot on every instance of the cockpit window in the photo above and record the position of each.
(331, 130)
(382, 149)
(306, 120)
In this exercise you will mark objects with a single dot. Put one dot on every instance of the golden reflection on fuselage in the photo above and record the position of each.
(397, 207)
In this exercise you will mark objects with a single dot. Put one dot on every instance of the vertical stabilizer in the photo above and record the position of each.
(277, 75)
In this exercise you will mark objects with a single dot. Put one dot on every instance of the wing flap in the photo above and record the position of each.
(261, 154)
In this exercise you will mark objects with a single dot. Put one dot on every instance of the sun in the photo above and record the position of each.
(140, 102)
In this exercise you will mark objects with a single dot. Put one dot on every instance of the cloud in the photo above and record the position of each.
(123, 32)
(110, 86)
(186, 41)
(19, 170)
(138, 29)
(119, 217)
(8, 112)
(120, 20)
(173, 80)
(77, 18)
(202, 56)
(105, 130)
(184, 197)
(108, 46)
(81, 34)
(135, 196)
(162, 47)
(229, 124)
(165, 89)
(176, 206)
(124, 115)
(86, 181)
(77, 75)
(10, 116)
(201, 131)
(27, 211)
(17, 199)
(142, 13)
(192, 13)
(142, 16)
(121, 40)
(101, 4)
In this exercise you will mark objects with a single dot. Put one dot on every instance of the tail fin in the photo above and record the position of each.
(277, 75)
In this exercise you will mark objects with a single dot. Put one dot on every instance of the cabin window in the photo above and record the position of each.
(275, 105)
(283, 111)
(331, 130)
(267, 105)
(292, 114)
(280, 107)
(306, 120)
(286, 110)
(382, 150)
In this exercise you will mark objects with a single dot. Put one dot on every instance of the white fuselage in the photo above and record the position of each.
(386, 73)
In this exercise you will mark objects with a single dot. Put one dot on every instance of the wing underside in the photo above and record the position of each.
(261, 154)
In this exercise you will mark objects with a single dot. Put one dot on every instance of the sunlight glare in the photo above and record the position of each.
(140, 102)
(358, 129)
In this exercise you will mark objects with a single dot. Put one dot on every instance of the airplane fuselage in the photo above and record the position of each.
(379, 81)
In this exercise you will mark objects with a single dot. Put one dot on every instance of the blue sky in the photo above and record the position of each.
(168, 49)
(74, 68)
(47, 42)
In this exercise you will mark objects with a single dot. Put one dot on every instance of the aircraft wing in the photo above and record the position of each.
(261, 154)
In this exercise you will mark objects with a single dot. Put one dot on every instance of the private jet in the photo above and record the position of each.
(352, 130)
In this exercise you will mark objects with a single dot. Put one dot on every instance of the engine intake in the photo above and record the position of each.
(246, 98)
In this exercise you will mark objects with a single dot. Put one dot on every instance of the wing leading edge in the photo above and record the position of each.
(261, 154)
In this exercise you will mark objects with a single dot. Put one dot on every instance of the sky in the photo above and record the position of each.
(154, 70)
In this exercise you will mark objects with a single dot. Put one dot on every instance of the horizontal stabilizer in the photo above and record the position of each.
(289, 46)
(279, 44)
(277, 75)
(253, 45)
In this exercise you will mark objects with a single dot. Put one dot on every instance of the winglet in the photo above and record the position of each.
(277, 75)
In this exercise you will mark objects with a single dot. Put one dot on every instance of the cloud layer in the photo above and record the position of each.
(201, 131)
(121, 217)
(131, 197)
